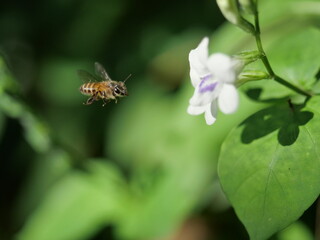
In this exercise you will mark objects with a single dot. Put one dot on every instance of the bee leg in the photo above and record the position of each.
(91, 100)
(105, 102)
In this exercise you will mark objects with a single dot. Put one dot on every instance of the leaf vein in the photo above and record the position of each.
(271, 166)
(313, 142)
(246, 179)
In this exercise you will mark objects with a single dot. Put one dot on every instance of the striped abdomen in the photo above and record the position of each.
(89, 88)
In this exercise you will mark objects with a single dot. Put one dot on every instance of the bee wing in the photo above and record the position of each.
(86, 77)
(100, 71)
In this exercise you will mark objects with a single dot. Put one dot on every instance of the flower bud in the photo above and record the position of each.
(251, 75)
(230, 11)
(248, 56)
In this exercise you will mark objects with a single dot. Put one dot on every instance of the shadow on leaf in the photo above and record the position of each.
(284, 117)
(255, 95)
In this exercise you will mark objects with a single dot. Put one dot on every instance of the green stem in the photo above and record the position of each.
(292, 87)
(265, 60)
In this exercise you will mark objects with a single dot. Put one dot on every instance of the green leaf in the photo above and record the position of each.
(269, 166)
(77, 206)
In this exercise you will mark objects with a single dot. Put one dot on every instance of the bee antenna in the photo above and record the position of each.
(127, 78)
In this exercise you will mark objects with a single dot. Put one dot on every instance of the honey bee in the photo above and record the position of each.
(105, 89)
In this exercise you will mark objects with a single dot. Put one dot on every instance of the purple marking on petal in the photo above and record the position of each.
(204, 79)
(203, 87)
(208, 88)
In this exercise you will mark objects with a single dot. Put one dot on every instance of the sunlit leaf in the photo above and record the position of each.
(270, 165)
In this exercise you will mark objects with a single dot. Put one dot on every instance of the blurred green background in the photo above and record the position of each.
(138, 169)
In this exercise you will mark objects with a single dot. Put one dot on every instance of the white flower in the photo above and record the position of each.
(213, 78)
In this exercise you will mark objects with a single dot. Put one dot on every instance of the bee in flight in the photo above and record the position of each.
(105, 89)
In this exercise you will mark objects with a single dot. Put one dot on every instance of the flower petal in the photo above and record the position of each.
(228, 99)
(223, 67)
(194, 110)
(205, 93)
(195, 78)
(198, 57)
(211, 113)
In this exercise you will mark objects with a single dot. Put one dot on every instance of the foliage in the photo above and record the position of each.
(141, 168)
(266, 193)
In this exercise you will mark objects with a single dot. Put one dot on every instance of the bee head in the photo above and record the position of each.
(120, 90)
